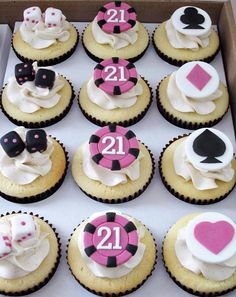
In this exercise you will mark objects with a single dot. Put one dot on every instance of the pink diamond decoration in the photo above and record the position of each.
(198, 77)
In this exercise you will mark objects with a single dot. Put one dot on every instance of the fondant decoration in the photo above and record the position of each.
(190, 20)
(5, 245)
(45, 78)
(211, 237)
(32, 16)
(12, 144)
(22, 228)
(197, 80)
(115, 76)
(110, 239)
(53, 17)
(36, 141)
(208, 149)
(24, 72)
(114, 147)
(116, 17)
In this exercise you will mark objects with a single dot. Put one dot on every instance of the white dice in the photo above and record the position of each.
(53, 17)
(22, 228)
(32, 16)
(5, 245)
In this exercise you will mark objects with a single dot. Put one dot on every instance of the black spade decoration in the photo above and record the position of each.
(209, 145)
(192, 18)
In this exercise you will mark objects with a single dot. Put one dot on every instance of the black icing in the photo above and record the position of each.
(116, 90)
(115, 165)
(99, 66)
(90, 228)
(111, 261)
(98, 82)
(134, 152)
(130, 134)
(111, 216)
(129, 227)
(133, 80)
(90, 250)
(97, 158)
(192, 18)
(117, 3)
(130, 66)
(112, 127)
(116, 29)
(132, 249)
(94, 139)
(115, 60)
(36, 141)
(12, 144)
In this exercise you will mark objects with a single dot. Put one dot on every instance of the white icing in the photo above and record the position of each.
(109, 102)
(201, 179)
(116, 272)
(26, 258)
(26, 167)
(179, 101)
(116, 41)
(106, 176)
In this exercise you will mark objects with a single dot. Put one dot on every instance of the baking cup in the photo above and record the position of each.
(43, 123)
(112, 294)
(48, 62)
(178, 195)
(125, 123)
(177, 121)
(97, 59)
(179, 63)
(50, 275)
(44, 195)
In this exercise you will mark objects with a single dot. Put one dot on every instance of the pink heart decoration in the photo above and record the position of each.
(214, 236)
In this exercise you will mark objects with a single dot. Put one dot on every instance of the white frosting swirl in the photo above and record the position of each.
(115, 40)
(182, 103)
(179, 40)
(201, 179)
(117, 272)
(42, 37)
(216, 272)
(26, 167)
(109, 102)
(106, 176)
(24, 258)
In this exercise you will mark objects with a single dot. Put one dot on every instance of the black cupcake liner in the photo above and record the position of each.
(98, 60)
(130, 197)
(125, 123)
(191, 200)
(179, 63)
(177, 121)
(112, 294)
(48, 62)
(44, 195)
(41, 124)
(189, 290)
(36, 287)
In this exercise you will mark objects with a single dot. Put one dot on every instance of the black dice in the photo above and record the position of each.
(45, 78)
(24, 72)
(12, 144)
(36, 141)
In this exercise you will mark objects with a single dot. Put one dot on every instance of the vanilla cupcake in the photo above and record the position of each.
(115, 32)
(199, 254)
(186, 36)
(47, 38)
(32, 165)
(111, 254)
(115, 94)
(193, 96)
(199, 168)
(113, 167)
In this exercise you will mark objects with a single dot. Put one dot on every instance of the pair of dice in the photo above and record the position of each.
(33, 15)
(44, 78)
(13, 145)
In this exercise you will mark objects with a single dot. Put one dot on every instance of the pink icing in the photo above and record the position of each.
(199, 77)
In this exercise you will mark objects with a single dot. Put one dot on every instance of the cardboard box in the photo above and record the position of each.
(5, 43)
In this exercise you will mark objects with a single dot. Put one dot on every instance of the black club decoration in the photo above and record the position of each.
(209, 145)
(192, 18)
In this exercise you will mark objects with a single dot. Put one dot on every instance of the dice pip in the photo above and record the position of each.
(45, 78)
(36, 141)
(32, 16)
(5, 245)
(22, 228)
(24, 72)
(12, 144)
(53, 17)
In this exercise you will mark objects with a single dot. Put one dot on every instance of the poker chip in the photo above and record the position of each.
(116, 17)
(115, 76)
(110, 239)
(114, 147)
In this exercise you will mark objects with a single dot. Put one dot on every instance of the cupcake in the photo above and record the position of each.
(115, 94)
(199, 254)
(111, 254)
(115, 32)
(44, 37)
(113, 166)
(29, 253)
(193, 96)
(199, 168)
(186, 36)
(33, 165)
(36, 97)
